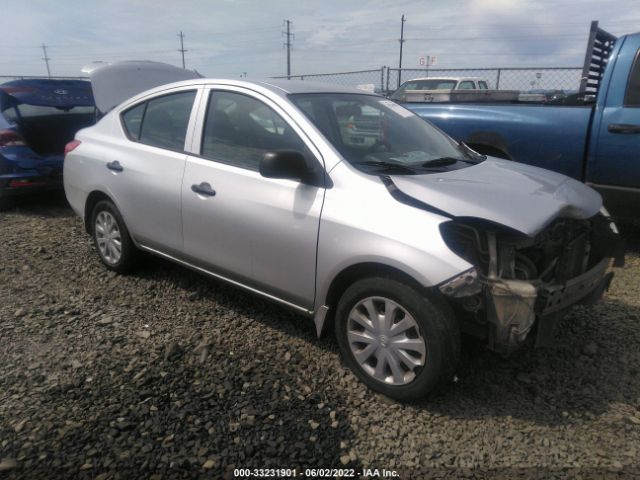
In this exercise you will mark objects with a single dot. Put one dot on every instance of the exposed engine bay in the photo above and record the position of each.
(518, 279)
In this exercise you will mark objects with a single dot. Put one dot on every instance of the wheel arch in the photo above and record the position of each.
(92, 200)
(346, 277)
(489, 143)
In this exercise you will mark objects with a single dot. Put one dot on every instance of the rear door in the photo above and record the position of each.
(258, 231)
(615, 159)
(146, 168)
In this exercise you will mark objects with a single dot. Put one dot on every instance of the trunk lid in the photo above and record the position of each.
(113, 83)
(519, 196)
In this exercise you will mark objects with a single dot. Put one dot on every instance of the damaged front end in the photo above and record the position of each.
(521, 282)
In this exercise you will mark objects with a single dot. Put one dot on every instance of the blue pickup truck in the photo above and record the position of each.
(593, 136)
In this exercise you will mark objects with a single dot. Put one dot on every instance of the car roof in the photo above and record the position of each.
(284, 86)
(279, 87)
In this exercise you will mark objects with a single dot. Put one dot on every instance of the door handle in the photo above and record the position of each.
(115, 166)
(203, 189)
(623, 128)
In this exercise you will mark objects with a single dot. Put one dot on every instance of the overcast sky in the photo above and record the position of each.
(229, 37)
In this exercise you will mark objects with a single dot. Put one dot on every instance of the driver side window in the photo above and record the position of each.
(239, 130)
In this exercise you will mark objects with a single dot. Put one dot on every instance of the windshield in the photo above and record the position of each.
(431, 84)
(374, 133)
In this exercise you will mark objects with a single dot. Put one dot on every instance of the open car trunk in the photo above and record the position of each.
(48, 134)
(48, 113)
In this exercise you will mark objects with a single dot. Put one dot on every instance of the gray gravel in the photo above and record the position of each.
(167, 374)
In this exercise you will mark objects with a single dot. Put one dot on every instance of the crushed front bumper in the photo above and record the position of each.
(514, 305)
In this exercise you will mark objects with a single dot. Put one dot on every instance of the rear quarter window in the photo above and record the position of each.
(132, 121)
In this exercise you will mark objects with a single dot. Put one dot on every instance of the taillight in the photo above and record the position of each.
(10, 138)
(71, 146)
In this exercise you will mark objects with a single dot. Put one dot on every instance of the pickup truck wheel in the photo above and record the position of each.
(395, 339)
(111, 238)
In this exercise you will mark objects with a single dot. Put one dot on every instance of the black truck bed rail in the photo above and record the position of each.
(596, 58)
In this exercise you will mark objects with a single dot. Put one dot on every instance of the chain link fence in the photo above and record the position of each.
(348, 79)
(386, 79)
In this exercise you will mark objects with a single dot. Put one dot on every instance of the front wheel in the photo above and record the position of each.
(395, 339)
(111, 238)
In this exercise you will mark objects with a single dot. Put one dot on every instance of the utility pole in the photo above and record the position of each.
(181, 49)
(287, 44)
(402, 40)
(46, 59)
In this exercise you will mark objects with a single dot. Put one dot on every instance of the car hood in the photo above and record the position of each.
(50, 93)
(515, 195)
(113, 83)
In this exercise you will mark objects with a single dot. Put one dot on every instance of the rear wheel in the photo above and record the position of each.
(395, 339)
(111, 238)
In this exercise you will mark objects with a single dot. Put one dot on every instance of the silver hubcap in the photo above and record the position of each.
(108, 237)
(385, 340)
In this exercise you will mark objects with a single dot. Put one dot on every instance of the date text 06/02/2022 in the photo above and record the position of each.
(314, 473)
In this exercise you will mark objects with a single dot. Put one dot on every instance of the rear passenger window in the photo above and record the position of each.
(632, 95)
(483, 86)
(161, 122)
(466, 86)
(165, 121)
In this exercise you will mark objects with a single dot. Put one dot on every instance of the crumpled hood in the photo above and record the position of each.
(519, 196)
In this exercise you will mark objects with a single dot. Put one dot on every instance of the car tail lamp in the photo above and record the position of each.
(10, 138)
(26, 182)
(71, 146)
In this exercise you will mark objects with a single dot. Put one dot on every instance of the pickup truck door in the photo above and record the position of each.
(613, 165)
(259, 232)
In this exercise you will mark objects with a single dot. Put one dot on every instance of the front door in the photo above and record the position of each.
(614, 164)
(258, 231)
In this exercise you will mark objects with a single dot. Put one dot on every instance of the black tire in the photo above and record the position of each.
(129, 253)
(436, 323)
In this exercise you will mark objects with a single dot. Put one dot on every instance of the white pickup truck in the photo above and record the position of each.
(442, 83)
(449, 89)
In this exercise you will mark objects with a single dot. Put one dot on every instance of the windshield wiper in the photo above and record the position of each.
(440, 162)
(386, 165)
(475, 156)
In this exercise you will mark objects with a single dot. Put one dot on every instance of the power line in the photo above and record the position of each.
(181, 49)
(402, 40)
(288, 46)
(46, 59)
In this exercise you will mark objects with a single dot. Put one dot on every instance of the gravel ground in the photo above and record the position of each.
(167, 374)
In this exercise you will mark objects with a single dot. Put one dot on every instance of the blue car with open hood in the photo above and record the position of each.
(38, 117)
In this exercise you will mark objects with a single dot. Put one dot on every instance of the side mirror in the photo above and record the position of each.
(291, 165)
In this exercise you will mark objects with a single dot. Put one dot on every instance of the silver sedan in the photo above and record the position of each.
(342, 205)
